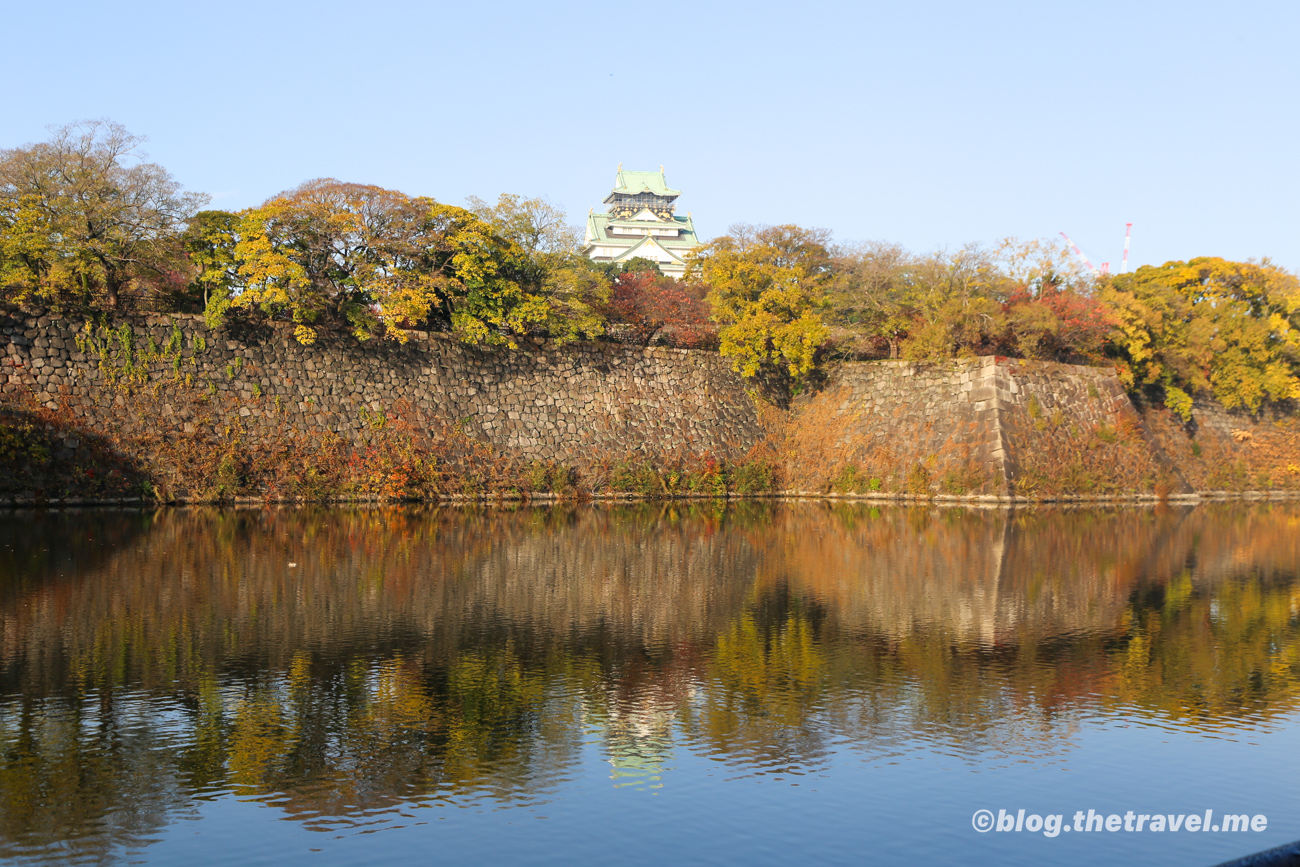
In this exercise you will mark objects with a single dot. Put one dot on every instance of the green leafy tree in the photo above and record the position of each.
(35, 264)
(641, 265)
(209, 244)
(766, 289)
(576, 289)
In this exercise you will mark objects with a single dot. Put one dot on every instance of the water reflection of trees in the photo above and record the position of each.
(340, 662)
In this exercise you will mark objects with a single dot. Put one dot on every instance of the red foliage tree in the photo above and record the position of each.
(654, 306)
(1060, 323)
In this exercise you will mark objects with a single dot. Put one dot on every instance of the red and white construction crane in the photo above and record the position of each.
(1105, 266)
(1079, 253)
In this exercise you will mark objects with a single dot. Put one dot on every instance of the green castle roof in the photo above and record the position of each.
(643, 182)
(674, 250)
(598, 231)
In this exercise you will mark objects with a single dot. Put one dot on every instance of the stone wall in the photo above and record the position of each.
(987, 426)
(1035, 429)
(539, 401)
(1044, 406)
(978, 417)
(914, 411)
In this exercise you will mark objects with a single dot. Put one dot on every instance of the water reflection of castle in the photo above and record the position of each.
(639, 740)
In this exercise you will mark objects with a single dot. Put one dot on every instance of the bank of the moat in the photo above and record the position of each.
(163, 409)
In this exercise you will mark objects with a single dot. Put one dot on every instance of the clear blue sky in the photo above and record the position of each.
(928, 124)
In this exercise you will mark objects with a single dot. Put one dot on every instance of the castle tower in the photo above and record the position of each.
(641, 223)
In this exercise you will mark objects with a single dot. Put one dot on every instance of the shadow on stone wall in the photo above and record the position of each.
(40, 453)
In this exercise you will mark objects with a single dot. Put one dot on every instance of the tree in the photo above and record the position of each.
(641, 265)
(766, 287)
(577, 291)
(868, 297)
(1230, 329)
(1058, 322)
(1022, 298)
(1050, 304)
(653, 305)
(534, 224)
(952, 296)
(209, 244)
(313, 251)
(920, 307)
(34, 263)
(84, 214)
(374, 257)
(575, 288)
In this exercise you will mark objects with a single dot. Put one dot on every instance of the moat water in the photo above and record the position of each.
(650, 684)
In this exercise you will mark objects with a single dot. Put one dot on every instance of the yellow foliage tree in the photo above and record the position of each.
(1228, 329)
(375, 257)
(35, 266)
(766, 288)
